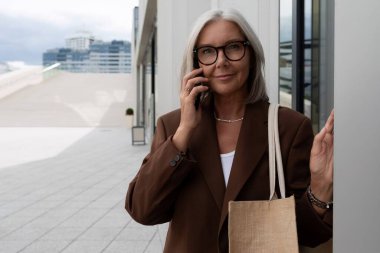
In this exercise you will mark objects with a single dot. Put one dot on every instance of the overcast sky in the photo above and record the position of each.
(30, 27)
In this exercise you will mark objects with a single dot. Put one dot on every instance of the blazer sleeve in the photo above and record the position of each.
(312, 229)
(153, 192)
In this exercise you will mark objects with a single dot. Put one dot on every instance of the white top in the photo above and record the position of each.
(227, 160)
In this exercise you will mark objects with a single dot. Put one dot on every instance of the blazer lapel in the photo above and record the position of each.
(251, 146)
(205, 142)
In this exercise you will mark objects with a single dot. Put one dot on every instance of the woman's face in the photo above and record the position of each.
(226, 77)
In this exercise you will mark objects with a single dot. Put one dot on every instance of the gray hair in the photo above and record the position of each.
(255, 81)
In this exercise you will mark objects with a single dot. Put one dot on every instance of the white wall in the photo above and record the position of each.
(174, 22)
(357, 124)
(263, 16)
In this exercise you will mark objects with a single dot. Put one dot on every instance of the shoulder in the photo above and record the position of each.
(289, 116)
(294, 125)
(286, 116)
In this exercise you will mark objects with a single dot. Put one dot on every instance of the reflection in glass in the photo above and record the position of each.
(285, 60)
(308, 58)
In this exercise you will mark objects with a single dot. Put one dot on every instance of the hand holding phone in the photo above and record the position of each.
(200, 95)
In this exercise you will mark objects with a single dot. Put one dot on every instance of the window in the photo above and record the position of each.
(306, 54)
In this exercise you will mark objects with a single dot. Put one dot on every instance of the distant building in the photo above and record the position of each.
(99, 57)
(4, 67)
(9, 66)
(112, 57)
(80, 41)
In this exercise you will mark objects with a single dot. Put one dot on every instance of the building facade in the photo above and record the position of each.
(80, 41)
(99, 57)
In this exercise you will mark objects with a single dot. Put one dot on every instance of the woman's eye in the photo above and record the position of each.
(206, 51)
(233, 46)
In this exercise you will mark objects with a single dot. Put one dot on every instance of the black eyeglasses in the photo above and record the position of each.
(233, 51)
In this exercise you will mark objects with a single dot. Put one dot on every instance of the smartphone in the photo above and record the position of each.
(198, 98)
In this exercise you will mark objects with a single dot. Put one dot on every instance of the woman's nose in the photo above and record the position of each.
(222, 59)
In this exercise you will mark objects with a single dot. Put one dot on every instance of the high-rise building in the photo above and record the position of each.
(110, 57)
(99, 57)
(80, 41)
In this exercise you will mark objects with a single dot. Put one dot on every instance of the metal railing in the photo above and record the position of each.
(51, 70)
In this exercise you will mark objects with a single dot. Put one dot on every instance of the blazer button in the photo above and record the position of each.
(173, 163)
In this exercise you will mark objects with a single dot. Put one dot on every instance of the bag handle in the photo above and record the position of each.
(274, 152)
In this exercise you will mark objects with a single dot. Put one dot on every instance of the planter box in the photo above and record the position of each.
(138, 135)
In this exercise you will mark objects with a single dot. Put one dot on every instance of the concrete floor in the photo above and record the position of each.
(64, 175)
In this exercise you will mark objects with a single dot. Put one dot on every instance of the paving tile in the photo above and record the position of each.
(24, 234)
(79, 221)
(73, 204)
(13, 221)
(63, 233)
(45, 246)
(18, 204)
(76, 199)
(127, 247)
(29, 212)
(46, 221)
(136, 234)
(113, 221)
(12, 246)
(86, 247)
(104, 203)
(155, 245)
(7, 230)
(62, 212)
(5, 212)
(46, 204)
(99, 234)
(162, 231)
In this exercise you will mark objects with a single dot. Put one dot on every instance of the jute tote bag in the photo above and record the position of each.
(269, 225)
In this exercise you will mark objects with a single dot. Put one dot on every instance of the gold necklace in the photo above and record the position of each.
(227, 120)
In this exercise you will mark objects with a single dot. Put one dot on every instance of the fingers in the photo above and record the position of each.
(196, 90)
(330, 123)
(192, 78)
(325, 138)
(194, 82)
(318, 142)
(189, 76)
(329, 134)
(192, 74)
(191, 86)
(322, 154)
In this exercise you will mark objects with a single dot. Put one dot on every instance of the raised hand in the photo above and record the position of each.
(190, 117)
(322, 161)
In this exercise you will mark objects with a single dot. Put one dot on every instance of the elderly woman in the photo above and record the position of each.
(204, 156)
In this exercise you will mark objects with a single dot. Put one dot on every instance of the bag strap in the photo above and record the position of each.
(274, 152)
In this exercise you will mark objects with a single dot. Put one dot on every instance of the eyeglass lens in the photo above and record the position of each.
(233, 51)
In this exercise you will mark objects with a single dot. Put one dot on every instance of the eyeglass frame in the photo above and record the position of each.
(244, 42)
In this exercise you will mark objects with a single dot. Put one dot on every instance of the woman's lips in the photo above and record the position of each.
(223, 77)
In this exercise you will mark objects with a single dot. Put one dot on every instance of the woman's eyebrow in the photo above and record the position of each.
(225, 43)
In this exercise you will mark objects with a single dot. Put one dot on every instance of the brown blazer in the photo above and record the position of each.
(190, 193)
